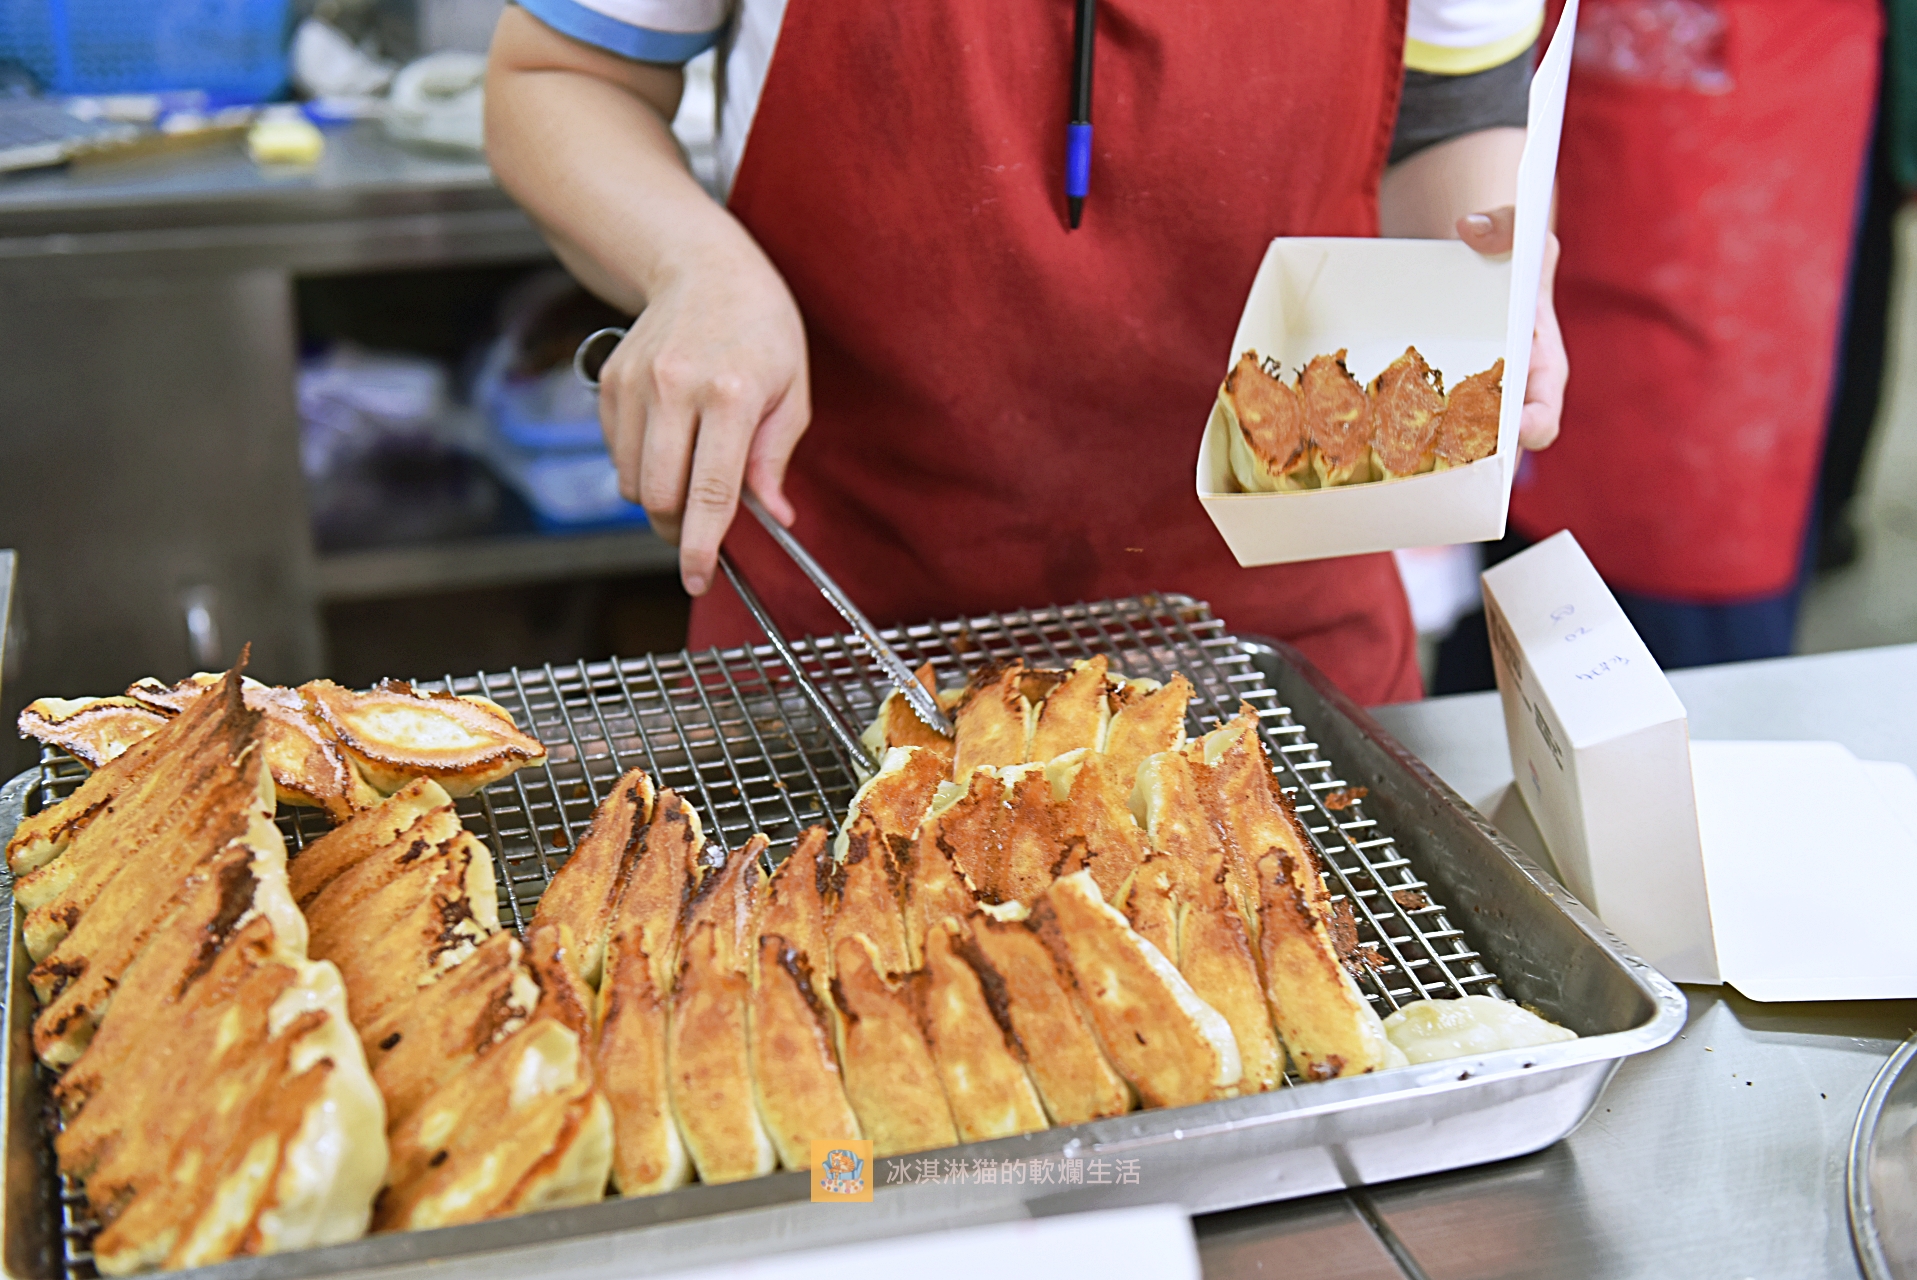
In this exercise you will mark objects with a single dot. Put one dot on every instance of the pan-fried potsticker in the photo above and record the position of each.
(1270, 440)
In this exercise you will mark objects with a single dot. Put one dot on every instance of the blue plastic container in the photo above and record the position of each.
(233, 50)
(544, 441)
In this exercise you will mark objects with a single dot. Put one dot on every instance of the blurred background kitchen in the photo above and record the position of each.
(280, 364)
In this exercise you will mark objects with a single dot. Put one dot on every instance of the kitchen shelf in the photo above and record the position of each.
(497, 561)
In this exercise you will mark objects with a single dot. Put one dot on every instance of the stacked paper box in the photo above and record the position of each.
(1786, 869)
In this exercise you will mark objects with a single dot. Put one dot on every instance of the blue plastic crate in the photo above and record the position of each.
(233, 50)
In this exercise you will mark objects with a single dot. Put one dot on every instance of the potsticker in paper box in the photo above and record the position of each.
(1600, 750)
(1373, 299)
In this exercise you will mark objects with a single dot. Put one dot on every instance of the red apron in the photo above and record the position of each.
(1005, 413)
(1706, 240)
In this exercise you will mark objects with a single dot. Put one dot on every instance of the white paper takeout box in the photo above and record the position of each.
(1600, 750)
(1373, 297)
(1782, 868)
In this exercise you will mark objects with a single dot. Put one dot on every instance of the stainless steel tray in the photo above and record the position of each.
(1448, 905)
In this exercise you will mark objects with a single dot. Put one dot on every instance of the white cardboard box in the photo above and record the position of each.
(1600, 748)
(1314, 295)
(1783, 868)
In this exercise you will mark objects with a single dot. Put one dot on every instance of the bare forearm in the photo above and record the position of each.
(1424, 195)
(709, 388)
(580, 139)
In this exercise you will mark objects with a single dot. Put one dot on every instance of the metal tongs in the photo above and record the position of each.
(586, 363)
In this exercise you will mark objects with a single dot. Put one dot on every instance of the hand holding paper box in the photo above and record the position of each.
(1375, 298)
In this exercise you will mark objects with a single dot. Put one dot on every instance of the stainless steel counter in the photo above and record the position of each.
(148, 351)
(366, 203)
(1721, 1154)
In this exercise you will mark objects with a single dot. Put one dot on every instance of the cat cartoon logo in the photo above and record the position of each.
(841, 1171)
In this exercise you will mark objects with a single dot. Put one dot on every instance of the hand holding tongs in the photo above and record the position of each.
(586, 363)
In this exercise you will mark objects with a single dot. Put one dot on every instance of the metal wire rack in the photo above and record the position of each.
(739, 735)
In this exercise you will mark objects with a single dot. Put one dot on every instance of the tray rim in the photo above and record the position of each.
(1135, 1131)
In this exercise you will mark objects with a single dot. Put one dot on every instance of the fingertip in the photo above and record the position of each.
(695, 581)
(1534, 435)
(1474, 226)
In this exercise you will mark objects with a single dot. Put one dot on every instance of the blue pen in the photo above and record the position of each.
(1078, 134)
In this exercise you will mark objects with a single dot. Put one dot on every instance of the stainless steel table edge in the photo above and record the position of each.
(1206, 1157)
(1857, 1184)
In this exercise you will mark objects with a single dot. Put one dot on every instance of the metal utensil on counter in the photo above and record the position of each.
(1881, 1186)
(586, 363)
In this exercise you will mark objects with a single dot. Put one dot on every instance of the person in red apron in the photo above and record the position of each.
(1708, 183)
(1002, 412)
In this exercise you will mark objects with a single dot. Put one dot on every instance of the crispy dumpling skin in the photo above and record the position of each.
(585, 891)
(405, 916)
(220, 1127)
(1144, 726)
(1405, 403)
(1095, 817)
(708, 1053)
(965, 1012)
(1171, 1046)
(862, 896)
(795, 1066)
(632, 1010)
(897, 725)
(1337, 418)
(708, 1058)
(1003, 834)
(420, 1044)
(890, 1077)
(1074, 1079)
(936, 889)
(1468, 429)
(1149, 900)
(1213, 952)
(521, 1124)
(1327, 1026)
(522, 1129)
(44, 836)
(1075, 714)
(160, 814)
(1270, 442)
(201, 917)
(895, 798)
(629, 1061)
(96, 900)
(309, 768)
(864, 890)
(1034, 846)
(395, 733)
(91, 730)
(792, 905)
(993, 721)
(368, 831)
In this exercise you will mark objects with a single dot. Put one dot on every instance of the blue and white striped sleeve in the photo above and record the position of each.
(667, 31)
